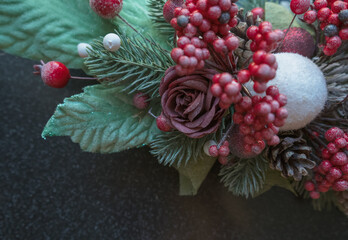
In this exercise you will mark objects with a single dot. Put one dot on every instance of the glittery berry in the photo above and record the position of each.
(163, 124)
(54, 74)
(299, 6)
(106, 8)
(330, 30)
(141, 100)
(343, 16)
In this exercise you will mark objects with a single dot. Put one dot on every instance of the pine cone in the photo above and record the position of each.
(291, 155)
(243, 52)
(342, 198)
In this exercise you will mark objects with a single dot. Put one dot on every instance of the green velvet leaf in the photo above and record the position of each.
(49, 30)
(102, 119)
(193, 174)
(273, 178)
(279, 16)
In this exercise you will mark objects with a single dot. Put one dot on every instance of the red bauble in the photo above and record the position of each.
(106, 8)
(298, 41)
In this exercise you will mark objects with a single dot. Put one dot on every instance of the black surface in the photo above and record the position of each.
(52, 190)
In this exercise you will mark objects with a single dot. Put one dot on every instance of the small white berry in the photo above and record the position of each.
(207, 145)
(112, 42)
(82, 49)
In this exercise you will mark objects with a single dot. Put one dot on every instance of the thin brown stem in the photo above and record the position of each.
(246, 62)
(246, 91)
(286, 33)
(321, 142)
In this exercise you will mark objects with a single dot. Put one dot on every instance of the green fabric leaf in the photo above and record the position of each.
(41, 29)
(193, 174)
(279, 16)
(102, 119)
(248, 5)
(273, 178)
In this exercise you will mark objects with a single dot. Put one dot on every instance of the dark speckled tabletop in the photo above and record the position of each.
(52, 190)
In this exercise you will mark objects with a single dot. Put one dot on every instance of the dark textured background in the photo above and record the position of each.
(52, 190)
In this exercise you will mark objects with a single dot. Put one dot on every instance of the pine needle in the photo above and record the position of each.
(245, 177)
(175, 148)
(155, 8)
(325, 202)
(139, 64)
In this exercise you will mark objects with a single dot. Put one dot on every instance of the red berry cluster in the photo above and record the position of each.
(221, 152)
(262, 69)
(333, 170)
(264, 37)
(264, 65)
(209, 21)
(259, 119)
(227, 89)
(332, 16)
(189, 55)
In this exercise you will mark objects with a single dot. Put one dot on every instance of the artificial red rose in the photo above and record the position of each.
(188, 103)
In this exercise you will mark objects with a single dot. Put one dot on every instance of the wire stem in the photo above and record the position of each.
(223, 139)
(286, 33)
(83, 78)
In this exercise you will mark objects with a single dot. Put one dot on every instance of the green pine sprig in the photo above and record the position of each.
(326, 201)
(175, 148)
(155, 8)
(246, 177)
(138, 65)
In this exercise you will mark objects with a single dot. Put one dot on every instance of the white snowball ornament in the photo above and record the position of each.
(82, 49)
(305, 87)
(112, 42)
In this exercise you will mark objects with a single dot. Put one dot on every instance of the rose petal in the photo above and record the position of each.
(197, 110)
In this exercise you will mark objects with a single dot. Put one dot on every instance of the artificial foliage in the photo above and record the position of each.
(139, 65)
(214, 105)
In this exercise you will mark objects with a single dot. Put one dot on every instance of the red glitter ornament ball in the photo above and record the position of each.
(298, 40)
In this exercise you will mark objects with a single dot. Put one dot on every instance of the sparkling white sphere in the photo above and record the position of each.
(305, 87)
(112, 42)
(82, 49)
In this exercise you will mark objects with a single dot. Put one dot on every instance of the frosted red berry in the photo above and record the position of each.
(141, 100)
(258, 12)
(163, 124)
(55, 74)
(314, 195)
(299, 6)
(309, 186)
(106, 8)
(310, 16)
